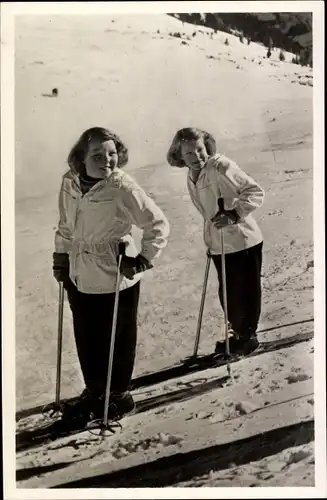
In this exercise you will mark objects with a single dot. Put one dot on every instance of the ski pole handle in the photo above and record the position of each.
(121, 252)
(221, 205)
(121, 248)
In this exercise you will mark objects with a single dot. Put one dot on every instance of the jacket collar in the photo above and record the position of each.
(114, 174)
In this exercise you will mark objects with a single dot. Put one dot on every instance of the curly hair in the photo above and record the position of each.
(77, 154)
(174, 155)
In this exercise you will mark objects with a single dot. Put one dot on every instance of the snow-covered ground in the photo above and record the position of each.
(133, 76)
(267, 392)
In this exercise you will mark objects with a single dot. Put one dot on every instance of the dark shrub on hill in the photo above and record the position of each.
(281, 56)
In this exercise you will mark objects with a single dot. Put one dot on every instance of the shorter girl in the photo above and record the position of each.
(98, 204)
(214, 177)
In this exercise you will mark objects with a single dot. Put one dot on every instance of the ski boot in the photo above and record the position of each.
(124, 403)
(78, 413)
(220, 348)
(248, 345)
(238, 346)
(120, 404)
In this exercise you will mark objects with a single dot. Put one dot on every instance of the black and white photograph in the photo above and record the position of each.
(162, 186)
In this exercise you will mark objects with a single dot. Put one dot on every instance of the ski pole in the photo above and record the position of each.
(224, 286)
(59, 344)
(204, 291)
(121, 252)
(55, 406)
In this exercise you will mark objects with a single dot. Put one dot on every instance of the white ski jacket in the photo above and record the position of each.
(221, 177)
(92, 225)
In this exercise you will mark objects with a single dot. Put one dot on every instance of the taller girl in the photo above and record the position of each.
(98, 204)
(212, 177)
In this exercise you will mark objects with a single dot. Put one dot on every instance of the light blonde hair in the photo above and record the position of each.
(174, 155)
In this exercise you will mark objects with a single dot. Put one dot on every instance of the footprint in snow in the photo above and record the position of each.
(299, 377)
(244, 407)
(274, 386)
(310, 264)
(296, 369)
(264, 475)
(216, 418)
(296, 456)
(169, 439)
(161, 439)
(162, 411)
(204, 414)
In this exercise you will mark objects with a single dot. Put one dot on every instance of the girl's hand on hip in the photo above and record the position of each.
(226, 218)
(134, 265)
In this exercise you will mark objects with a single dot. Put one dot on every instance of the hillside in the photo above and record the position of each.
(289, 31)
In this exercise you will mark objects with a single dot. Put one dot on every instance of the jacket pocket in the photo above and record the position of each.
(99, 201)
(98, 270)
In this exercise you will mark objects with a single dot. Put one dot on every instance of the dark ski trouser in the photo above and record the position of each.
(92, 319)
(243, 283)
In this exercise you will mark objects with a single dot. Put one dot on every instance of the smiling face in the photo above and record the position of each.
(194, 154)
(100, 159)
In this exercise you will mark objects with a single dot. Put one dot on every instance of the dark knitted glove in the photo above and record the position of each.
(61, 267)
(134, 265)
(226, 218)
